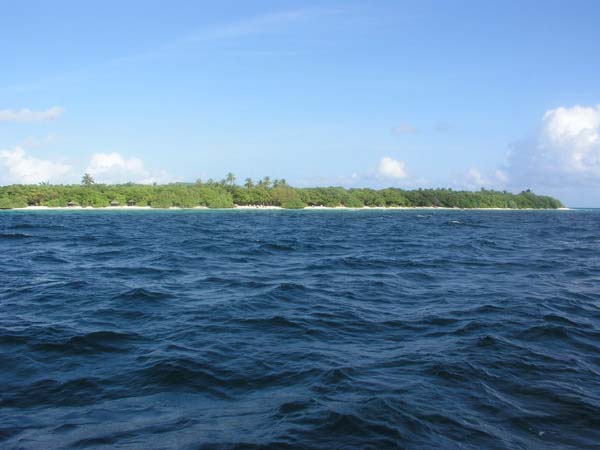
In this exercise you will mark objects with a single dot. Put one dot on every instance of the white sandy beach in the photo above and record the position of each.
(270, 208)
(256, 207)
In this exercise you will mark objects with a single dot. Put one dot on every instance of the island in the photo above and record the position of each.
(264, 193)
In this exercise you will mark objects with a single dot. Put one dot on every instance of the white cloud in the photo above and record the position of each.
(20, 168)
(475, 178)
(565, 151)
(564, 124)
(114, 168)
(501, 176)
(391, 168)
(28, 115)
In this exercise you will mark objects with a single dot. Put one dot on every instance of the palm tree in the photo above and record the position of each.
(266, 182)
(230, 179)
(249, 184)
(87, 179)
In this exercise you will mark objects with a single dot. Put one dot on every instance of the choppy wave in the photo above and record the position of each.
(275, 330)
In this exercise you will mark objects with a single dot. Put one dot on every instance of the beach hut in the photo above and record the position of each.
(72, 204)
(130, 202)
(114, 203)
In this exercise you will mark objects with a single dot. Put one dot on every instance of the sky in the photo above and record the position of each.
(461, 94)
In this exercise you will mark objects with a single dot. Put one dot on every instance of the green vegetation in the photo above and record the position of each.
(226, 194)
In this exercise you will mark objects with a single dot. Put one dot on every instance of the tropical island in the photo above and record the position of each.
(263, 193)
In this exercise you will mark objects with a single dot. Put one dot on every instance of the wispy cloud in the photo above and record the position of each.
(442, 126)
(35, 141)
(257, 25)
(404, 128)
(265, 23)
(254, 25)
(408, 128)
(28, 115)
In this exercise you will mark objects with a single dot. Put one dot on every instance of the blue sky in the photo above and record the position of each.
(385, 93)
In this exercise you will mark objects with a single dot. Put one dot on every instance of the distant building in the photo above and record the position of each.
(114, 203)
(130, 202)
(72, 204)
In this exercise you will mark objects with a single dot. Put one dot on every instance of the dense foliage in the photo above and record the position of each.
(226, 194)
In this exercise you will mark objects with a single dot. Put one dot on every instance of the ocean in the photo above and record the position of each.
(412, 329)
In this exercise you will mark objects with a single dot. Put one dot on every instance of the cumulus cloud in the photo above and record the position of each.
(28, 115)
(391, 168)
(115, 168)
(565, 151)
(475, 178)
(19, 168)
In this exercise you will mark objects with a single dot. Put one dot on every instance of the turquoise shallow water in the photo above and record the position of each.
(311, 329)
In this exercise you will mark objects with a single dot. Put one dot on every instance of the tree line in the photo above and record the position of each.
(265, 192)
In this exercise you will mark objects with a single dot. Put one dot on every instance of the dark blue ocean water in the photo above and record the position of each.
(310, 329)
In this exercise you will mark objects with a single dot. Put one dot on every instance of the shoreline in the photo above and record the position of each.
(271, 208)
